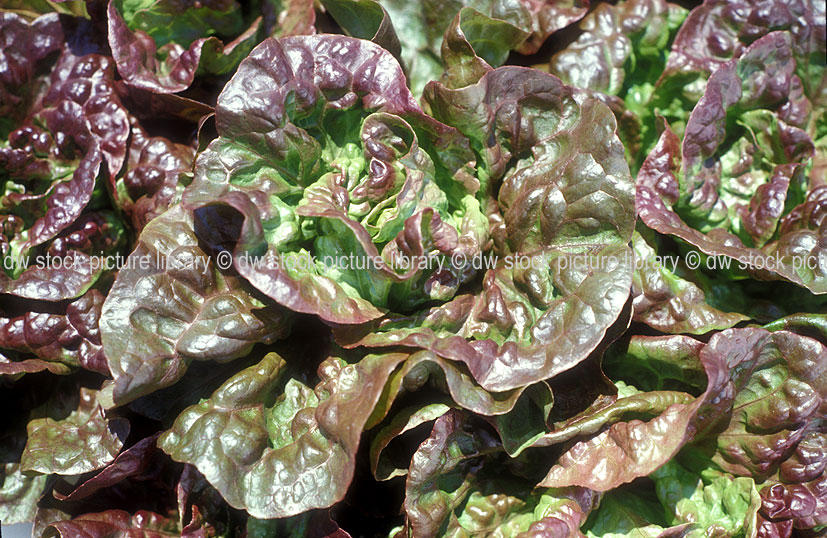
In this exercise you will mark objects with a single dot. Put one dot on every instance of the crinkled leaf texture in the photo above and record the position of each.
(84, 441)
(117, 523)
(666, 302)
(171, 305)
(561, 220)
(765, 392)
(796, 496)
(781, 384)
(709, 503)
(153, 178)
(619, 55)
(336, 194)
(162, 45)
(549, 155)
(59, 341)
(498, 26)
(720, 30)
(526, 325)
(474, 255)
(456, 488)
(19, 493)
(276, 447)
(629, 449)
(772, 434)
(77, 97)
(130, 462)
(453, 448)
(615, 39)
(27, 44)
(67, 126)
(736, 185)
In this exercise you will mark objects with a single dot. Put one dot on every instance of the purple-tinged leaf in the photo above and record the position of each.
(171, 305)
(117, 524)
(152, 181)
(163, 46)
(763, 394)
(668, 303)
(278, 178)
(454, 448)
(132, 461)
(468, 50)
(781, 384)
(456, 487)
(403, 421)
(71, 127)
(25, 44)
(720, 30)
(549, 159)
(735, 202)
(493, 29)
(796, 497)
(614, 38)
(529, 323)
(423, 367)
(628, 450)
(71, 338)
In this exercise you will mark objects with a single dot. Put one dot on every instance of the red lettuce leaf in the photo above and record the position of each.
(168, 60)
(171, 305)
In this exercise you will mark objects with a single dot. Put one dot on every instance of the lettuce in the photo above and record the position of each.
(509, 268)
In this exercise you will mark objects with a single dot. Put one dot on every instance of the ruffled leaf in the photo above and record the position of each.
(298, 444)
(161, 46)
(336, 195)
(84, 441)
(171, 305)
(668, 303)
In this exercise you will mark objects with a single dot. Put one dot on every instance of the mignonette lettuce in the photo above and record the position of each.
(351, 268)
(161, 46)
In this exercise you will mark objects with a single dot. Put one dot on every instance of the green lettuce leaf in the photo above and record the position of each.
(84, 441)
(341, 198)
(276, 447)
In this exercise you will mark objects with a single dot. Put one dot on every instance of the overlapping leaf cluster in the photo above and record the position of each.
(350, 268)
